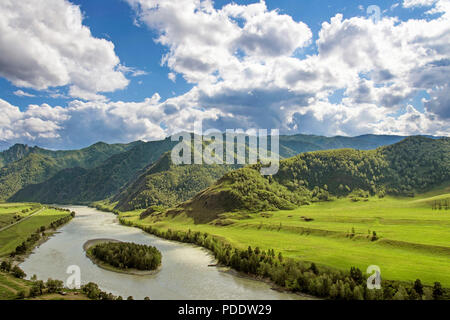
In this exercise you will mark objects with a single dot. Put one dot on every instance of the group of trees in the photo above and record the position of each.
(36, 236)
(93, 292)
(412, 165)
(6, 266)
(443, 204)
(38, 287)
(301, 276)
(127, 255)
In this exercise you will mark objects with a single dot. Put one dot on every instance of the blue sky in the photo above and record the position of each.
(348, 77)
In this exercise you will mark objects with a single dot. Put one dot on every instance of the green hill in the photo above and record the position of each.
(103, 179)
(290, 146)
(88, 157)
(412, 165)
(26, 165)
(166, 184)
(80, 185)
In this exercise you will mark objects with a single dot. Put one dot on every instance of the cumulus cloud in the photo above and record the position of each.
(21, 93)
(82, 123)
(172, 76)
(247, 69)
(242, 60)
(418, 3)
(45, 44)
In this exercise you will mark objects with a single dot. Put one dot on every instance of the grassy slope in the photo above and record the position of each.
(11, 286)
(14, 236)
(414, 239)
(8, 212)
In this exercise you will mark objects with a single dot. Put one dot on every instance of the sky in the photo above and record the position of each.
(76, 72)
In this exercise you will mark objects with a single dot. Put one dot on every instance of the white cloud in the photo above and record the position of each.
(21, 93)
(132, 71)
(45, 44)
(418, 3)
(172, 76)
(82, 123)
(243, 62)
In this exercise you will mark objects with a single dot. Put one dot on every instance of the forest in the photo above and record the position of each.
(411, 166)
(127, 255)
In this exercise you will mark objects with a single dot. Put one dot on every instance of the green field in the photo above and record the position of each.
(10, 213)
(16, 234)
(10, 287)
(413, 239)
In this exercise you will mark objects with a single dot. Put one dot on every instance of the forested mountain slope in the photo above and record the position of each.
(166, 184)
(77, 183)
(412, 165)
(26, 165)
(80, 185)
(88, 157)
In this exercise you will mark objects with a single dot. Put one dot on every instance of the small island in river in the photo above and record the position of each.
(123, 257)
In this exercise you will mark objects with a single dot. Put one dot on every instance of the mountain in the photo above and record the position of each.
(413, 165)
(81, 185)
(24, 165)
(166, 184)
(4, 145)
(292, 145)
(87, 158)
(118, 174)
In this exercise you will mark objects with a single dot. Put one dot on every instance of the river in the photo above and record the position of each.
(184, 275)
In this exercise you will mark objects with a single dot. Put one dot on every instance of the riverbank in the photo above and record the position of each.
(220, 265)
(288, 274)
(19, 240)
(91, 243)
(185, 274)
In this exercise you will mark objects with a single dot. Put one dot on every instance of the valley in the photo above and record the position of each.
(313, 228)
(412, 238)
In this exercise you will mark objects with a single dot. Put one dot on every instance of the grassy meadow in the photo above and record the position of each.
(13, 212)
(412, 240)
(10, 287)
(13, 236)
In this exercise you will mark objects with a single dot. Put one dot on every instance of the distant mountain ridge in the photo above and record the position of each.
(78, 182)
(23, 165)
(80, 185)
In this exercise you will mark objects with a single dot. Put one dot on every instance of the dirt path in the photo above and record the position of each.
(22, 220)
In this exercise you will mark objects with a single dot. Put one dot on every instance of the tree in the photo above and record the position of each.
(280, 257)
(54, 285)
(356, 275)
(314, 269)
(5, 266)
(437, 291)
(130, 298)
(37, 288)
(18, 273)
(418, 286)
(146, 298)
(401, 294)
(357, 293)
